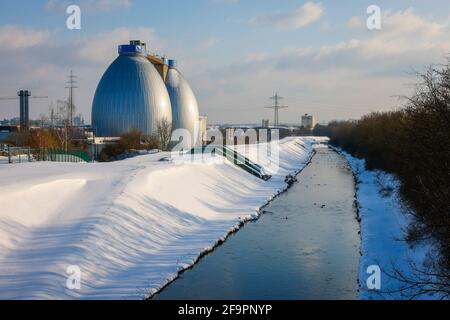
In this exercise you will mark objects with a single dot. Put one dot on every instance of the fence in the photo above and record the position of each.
(60, 155)
(10, 154)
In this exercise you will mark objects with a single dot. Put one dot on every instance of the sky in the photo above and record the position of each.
(319, 55)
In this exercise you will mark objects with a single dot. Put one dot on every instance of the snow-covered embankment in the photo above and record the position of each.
(383, 226)
(130, 226)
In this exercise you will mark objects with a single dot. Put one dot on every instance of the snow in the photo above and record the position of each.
(383, 226)
(130, 226)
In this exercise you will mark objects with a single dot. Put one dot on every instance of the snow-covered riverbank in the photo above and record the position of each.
(383, 225)
(130, 226)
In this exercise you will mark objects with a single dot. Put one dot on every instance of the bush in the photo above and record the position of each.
(111, 152)
(129, 142)
(133, 140)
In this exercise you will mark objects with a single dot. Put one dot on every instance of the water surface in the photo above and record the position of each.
(305, 246)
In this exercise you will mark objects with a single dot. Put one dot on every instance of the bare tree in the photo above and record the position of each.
(62, 119)
(51, 111)
(151, 141)
(43, 119)
(164, 132)
(413, 143)
(421, 281)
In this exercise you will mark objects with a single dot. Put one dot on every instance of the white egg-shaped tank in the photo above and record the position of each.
(130, 96)
(185, 114)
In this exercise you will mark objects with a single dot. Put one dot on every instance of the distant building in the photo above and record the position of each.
(78, 121)
(6, 131)
(308, 121)
(10, 122)
(229, 134)
(265, 123)
(203, 121)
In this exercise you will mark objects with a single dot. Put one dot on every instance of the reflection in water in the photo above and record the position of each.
(306, 245)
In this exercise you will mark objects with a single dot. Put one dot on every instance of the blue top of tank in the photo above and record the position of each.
(172, 63)
(132, 49)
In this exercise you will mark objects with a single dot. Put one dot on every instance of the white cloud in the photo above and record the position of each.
(309, 13)
(408, 23)
(363, 72)
(341, 46)
(356, 23)
(298, 52)
(403, 33)
(103, 46)
(40, 61)
(17, 37)
(343, 78)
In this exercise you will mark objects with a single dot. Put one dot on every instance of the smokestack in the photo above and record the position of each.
(24, 109)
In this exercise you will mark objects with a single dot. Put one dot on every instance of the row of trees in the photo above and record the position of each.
(56, 138)
(414, 144)
(54, 129)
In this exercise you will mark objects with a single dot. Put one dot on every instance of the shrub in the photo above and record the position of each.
(131, 141)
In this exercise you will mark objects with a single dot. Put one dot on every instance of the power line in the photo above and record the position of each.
(71, 86)
(276, 106)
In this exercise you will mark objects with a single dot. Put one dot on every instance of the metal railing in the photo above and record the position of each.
(236, 158)
(16, 154)
(60, 155)
(27, 154)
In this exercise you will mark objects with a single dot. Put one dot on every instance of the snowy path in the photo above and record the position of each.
(130, 226)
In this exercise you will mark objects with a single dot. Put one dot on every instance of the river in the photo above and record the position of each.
(304, 246)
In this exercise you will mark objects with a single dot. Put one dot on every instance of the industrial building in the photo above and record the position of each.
(140, 89)
(130, 96)
(185, 113)
(308, 121)
(24, 106)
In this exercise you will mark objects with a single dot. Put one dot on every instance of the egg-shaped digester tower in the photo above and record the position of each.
(185, 114)
(130, 96)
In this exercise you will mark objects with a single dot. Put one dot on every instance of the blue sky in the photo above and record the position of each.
(235, 53)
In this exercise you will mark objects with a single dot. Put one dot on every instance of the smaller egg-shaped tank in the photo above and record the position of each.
(185, 114)
(130, 96)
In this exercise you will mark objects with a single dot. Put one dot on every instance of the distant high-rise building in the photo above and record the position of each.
(308, 121)
(265, 123)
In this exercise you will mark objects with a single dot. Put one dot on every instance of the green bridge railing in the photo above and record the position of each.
(60, 155)
(236, 158)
